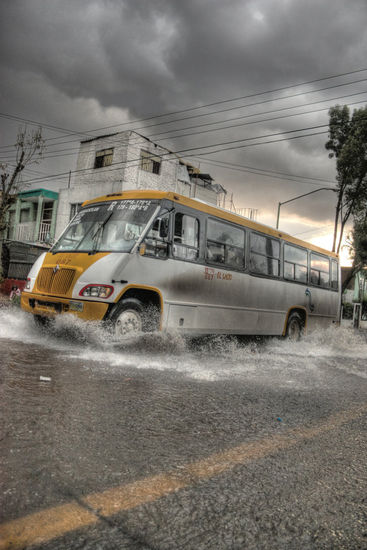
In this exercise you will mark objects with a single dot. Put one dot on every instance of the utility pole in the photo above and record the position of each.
(299, 197)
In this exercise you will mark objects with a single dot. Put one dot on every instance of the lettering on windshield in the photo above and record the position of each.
(142, 205)
(78, 217)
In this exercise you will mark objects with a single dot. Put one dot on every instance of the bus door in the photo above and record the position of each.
(185, 268)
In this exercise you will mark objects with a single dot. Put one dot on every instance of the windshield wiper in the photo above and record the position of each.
(98, 234)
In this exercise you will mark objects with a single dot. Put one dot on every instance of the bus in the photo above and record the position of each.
(154, 260)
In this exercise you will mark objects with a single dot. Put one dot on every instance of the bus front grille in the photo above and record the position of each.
(53, 282)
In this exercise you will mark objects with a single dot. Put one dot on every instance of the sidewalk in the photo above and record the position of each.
(348, 323)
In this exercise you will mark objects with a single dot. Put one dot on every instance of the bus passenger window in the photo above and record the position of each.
(264, 255)
(289, 270)
(319, 270)
(295, 263)
(334, 274)
(225, 244)
(186, 237)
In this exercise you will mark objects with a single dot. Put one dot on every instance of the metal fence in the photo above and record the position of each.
(18, 258)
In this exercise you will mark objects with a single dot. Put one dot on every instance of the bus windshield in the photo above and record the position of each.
(110, 226)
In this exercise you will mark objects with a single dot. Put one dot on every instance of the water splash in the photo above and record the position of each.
(208, 358)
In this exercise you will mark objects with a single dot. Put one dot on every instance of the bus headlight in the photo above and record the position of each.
(28, 283)
(96, 291)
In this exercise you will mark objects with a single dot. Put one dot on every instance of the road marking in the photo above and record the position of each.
(54, 522)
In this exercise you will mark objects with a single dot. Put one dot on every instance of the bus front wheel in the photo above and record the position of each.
(42, 322)
(129, 318)
(294, 327)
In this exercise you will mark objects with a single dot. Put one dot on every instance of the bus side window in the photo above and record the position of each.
(186, 237)
(334, 274)
(319, 270)
(225, 244)
(264, 255)
(295, 263)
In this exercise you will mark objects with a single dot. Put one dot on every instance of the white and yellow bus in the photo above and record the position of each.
(148, 260)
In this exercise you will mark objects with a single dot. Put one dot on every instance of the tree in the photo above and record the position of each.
(348, 144)
(357, 244)
(29, 150)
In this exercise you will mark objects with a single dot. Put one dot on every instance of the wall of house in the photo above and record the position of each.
(137, 178)
(87, 175)
(123, 174)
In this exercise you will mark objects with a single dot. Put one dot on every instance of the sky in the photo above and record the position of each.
(244, 84)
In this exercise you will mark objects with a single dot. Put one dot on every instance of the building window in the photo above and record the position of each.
(47, 212)
(103, 158)
(150, 163)
(295, 263)
(74, 209)
(264, 255)
(225, 244)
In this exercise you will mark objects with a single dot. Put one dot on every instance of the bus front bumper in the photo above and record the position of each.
(50, 306)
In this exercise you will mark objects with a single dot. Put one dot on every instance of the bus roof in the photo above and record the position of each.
(208, 209)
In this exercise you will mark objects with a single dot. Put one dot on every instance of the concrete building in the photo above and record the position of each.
(32, 218)
(128, 160)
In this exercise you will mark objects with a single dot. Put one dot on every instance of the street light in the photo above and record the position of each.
(299, 197)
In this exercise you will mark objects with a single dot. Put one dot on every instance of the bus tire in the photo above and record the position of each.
(129, 317)
(294, 327)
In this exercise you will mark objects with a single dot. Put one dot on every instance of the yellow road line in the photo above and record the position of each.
(53, 522)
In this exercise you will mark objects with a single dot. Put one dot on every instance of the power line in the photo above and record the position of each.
(208, 152)
(252, 104)
(290, 115)
(313, 111)
(37, 123)
(87, 133)
(250, 139)
(260, 113)
(262, 143)
(242, 168)
(315, 229)
(268, 173)
(238, 98)
(169, 153)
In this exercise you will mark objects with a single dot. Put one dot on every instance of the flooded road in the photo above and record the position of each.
(161, 443)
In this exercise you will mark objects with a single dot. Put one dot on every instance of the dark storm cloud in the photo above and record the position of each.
(151, 55)
(67, 62)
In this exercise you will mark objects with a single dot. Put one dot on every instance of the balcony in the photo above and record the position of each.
(25, 232)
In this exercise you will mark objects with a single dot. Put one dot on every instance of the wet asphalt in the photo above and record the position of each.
(82, 414)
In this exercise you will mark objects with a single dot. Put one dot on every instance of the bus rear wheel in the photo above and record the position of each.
(129, 318)
(294, 327)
